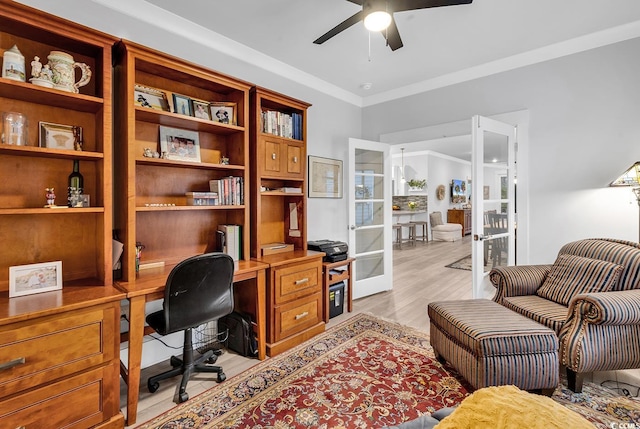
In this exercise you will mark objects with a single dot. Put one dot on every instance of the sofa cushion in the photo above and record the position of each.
(549, 313)
(571, 275)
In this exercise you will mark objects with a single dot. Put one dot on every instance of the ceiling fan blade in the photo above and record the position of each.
(403, 5)
(393, 36)
(358, 2)
(339, 28)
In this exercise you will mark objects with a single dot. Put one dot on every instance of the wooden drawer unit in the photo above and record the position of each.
(297, 316)
(41, 352)
(296, 281)
(79, 396)
(59, 364)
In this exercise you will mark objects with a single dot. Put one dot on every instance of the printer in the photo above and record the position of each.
(334, 251)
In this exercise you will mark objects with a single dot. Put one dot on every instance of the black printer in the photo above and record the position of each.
(334, 250)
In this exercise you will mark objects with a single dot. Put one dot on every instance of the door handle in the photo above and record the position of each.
(478, 237)
(352, 227)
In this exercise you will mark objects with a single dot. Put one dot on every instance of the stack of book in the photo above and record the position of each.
(230, 190)
(202, 198)
(287, 125)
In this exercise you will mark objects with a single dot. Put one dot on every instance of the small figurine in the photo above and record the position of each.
(147, 153)
(51, 197)
(164, 155)
(36, 67)
(46, 73)
(156, 154)
(224, 160)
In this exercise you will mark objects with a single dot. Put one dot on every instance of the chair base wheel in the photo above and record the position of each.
(153, 387)
(175, 362)
(221, 377)
(183, 397)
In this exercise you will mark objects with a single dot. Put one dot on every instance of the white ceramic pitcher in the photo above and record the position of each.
(63, 67)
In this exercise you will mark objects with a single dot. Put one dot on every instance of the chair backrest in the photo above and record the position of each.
(199, 289)
(436, 219)
(625, 253)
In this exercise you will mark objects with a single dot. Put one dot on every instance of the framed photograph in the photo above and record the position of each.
(224, 112)
(201, 109)
(35, 278)
(182, 105)
(325, 177)
(58, 136)
(180, 145)
(152, 98)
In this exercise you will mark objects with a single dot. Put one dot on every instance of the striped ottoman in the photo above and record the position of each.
(490, 345)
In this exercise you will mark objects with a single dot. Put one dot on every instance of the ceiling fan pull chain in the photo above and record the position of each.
(369, 45)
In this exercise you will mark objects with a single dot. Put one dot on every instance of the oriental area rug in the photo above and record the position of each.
(364, 373)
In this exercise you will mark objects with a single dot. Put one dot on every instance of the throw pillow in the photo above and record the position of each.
(507, 407)
(571, 275)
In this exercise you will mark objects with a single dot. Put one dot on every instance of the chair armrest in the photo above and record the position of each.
(606, 308)
(518, 280)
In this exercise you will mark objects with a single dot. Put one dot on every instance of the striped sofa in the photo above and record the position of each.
(590, 297)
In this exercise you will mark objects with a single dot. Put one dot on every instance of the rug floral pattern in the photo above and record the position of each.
(364, 373)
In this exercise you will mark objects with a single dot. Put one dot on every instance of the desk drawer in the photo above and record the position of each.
(75, 402)
(296, 281)
(296, 316)
(43, 350)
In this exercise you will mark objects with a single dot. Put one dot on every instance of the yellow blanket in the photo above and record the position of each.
(507, 407)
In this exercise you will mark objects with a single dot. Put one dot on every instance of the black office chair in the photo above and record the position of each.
(199, 289)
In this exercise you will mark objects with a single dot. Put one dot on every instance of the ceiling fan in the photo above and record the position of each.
(384, 10)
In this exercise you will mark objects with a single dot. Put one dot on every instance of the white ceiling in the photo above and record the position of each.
(442, 45)
(439, 43)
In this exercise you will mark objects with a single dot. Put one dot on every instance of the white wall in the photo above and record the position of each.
(583, 132)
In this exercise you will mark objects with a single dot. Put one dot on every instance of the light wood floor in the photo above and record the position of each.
(419, 277)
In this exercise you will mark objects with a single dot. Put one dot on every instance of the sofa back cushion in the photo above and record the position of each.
(572, 275)
(625, 253)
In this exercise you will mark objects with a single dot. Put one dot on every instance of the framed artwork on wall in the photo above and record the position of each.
(325, 177)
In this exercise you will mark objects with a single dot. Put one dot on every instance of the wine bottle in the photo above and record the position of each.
(76, 185)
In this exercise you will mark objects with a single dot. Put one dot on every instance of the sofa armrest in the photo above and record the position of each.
(607, 308)
(517, 280)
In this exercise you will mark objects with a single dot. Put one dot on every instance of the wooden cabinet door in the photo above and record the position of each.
(294, 161)
(272, 157)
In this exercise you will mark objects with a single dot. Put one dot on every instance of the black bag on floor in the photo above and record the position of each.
(241, 338)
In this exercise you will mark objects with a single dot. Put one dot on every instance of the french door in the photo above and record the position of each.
(369, 194)
(493, 192)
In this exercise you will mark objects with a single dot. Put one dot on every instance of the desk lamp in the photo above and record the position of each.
(631, 177)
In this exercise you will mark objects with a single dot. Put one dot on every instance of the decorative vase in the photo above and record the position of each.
(13, 64)
(63, 67)
(14, 128)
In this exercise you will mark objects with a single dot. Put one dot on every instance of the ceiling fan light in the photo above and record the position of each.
(377, 21)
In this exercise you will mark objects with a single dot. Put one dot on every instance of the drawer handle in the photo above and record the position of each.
(301, 281)
(301, 315)
(273, 156)
(295, 159)
(12, 363)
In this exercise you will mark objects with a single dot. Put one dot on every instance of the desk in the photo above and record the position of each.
(149, 286)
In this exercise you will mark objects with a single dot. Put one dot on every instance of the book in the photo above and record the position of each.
(230, 241)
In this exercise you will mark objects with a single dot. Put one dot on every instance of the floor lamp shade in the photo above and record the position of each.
(631, 177)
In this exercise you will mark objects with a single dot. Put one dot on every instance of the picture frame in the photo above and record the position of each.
(182, 105)
(224, 112)
(201, 109)
(35, 278)
(59, 136)
(179, 145)
(145, 96)
(325, 177)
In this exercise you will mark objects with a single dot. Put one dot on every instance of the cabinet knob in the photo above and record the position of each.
(273, 155)
(295, 159)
